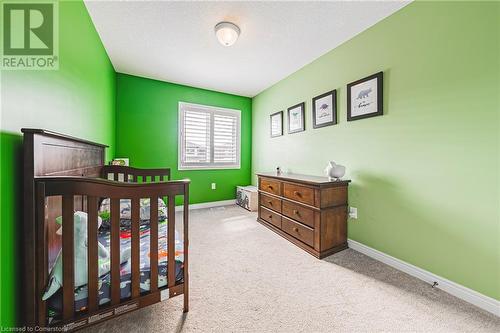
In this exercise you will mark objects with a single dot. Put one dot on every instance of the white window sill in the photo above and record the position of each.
(209, 167)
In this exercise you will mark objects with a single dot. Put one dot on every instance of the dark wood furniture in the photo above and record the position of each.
(63, 174)
(309, 211)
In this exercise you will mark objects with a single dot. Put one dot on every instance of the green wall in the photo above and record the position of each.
(147, 126)
(426, 174)
(78, 99)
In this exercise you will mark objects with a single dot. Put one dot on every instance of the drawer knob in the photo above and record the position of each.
(270, 187)
(295, 229)
(270, 203)
(271, 217)
(297, 193)
(296, 212)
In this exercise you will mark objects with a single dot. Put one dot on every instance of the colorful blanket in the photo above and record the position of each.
(55, 302)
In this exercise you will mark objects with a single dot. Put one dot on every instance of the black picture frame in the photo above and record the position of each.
(333, 93)
(380, 95)
(280, 113)
(302, 107)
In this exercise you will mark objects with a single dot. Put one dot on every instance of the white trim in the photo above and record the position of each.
(208, 204)
(207, 107)
(471, 296)
(213, 110)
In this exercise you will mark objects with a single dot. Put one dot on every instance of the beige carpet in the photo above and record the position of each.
(244, 278)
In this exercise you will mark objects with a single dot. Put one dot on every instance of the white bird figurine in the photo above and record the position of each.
(334, 171)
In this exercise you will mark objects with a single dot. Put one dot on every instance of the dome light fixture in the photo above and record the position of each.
(227, 33)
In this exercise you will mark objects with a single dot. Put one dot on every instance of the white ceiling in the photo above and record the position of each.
(175, 41)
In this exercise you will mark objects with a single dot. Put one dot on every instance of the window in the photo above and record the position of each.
(209, 137)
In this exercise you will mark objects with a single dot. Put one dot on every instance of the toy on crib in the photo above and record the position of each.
(80, 260)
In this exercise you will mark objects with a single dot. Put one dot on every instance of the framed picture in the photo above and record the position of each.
(296, 118)
(277, 124)
(325, 109)
(124, 161)
(364, 97)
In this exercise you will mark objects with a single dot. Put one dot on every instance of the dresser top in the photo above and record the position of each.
(305, 179)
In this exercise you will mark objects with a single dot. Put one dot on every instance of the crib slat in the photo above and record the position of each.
(154, 244)
(42, 257)
(171, 241)
(186, 247)
(115, 251)
(92, 301)
(68, 256)
(135, 256)
(115, 174)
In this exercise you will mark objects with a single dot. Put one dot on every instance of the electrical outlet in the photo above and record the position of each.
(214, 186)
(353, 213)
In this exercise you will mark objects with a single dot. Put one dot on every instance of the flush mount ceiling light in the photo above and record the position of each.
(227, 33)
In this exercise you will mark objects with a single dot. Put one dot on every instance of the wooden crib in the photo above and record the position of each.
(63, 174)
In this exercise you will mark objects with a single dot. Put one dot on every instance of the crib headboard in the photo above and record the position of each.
(48, 153)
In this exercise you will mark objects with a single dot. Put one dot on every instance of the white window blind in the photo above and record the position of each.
(209, 137)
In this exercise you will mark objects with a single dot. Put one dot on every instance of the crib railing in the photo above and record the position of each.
(95, 189)
(130, 174)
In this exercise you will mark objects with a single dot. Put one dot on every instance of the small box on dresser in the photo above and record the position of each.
(309, 211)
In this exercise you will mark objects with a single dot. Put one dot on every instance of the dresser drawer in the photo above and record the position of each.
(270, 185)
(299, 231)
(270, 216)
(298, 213)
(270, 202)
(299, 193)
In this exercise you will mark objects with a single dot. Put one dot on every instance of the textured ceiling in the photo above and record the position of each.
(175, 41)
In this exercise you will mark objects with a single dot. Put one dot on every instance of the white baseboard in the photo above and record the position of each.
(208, 204)
(482, 301)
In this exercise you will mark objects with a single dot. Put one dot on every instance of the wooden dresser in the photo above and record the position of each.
(309, 211)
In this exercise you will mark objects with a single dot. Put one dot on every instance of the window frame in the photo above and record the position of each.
(182, 107)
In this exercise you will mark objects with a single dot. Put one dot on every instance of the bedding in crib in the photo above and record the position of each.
(125, 213)
(54, 303)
